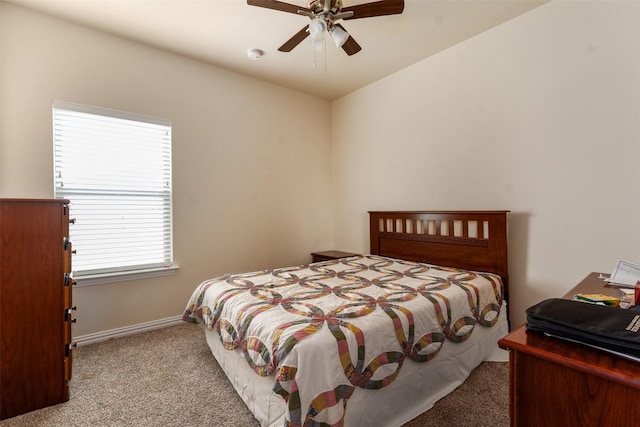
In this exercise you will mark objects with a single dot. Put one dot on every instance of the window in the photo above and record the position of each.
(115, 168)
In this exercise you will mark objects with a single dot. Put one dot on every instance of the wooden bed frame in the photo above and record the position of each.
(473, 240)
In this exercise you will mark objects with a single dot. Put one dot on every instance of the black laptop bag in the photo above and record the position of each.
(609, 328)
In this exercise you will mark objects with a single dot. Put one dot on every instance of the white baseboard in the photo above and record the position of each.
(127, 330)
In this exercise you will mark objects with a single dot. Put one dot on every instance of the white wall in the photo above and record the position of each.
(540, 116)
(238, 155)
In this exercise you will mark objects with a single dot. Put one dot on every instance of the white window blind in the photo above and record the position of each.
(115, 168)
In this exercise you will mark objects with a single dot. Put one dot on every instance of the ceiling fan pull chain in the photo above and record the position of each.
(325, 56)
(317, 47)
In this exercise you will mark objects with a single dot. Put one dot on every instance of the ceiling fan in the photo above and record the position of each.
(324, 14)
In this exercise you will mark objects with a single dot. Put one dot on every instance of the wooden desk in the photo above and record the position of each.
(557, 383)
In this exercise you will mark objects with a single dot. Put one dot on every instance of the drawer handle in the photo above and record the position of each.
(67, 314)
(68, 348)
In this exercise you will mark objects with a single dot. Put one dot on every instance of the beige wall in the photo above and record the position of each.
(238, 155)
(540, 116)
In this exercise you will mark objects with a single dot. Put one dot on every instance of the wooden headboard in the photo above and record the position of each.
(473, 240)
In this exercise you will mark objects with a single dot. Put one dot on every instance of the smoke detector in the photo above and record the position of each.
(255, 54)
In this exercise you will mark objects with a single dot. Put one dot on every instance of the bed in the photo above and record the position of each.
(374, 339)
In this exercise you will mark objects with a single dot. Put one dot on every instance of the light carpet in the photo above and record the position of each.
(168, 377)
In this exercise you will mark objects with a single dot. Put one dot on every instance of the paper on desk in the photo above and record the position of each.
(625, 274)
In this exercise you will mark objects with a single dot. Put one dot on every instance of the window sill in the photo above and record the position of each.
(124, 276)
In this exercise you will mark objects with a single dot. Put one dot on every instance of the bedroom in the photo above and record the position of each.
(538, 116)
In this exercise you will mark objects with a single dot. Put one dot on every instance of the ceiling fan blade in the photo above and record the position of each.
(278, 5)
(376, 8)
(295, 40)
(351, 46)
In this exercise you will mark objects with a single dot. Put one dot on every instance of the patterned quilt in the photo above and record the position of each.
(327, 328)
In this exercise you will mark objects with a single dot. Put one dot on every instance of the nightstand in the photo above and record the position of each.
(329, 255)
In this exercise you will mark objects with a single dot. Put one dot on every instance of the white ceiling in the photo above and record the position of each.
(221, 32)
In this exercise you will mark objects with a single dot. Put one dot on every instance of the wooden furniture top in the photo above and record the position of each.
(577, 356)
(16, 200)
(333, 254)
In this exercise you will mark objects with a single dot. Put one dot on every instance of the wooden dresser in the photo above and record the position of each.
(558, 383)
(35, 304)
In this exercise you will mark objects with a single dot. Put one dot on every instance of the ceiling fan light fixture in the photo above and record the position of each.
(324, 14)
(339, 36)
(317, 27)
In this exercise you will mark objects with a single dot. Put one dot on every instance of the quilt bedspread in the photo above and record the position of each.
(327, 328)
